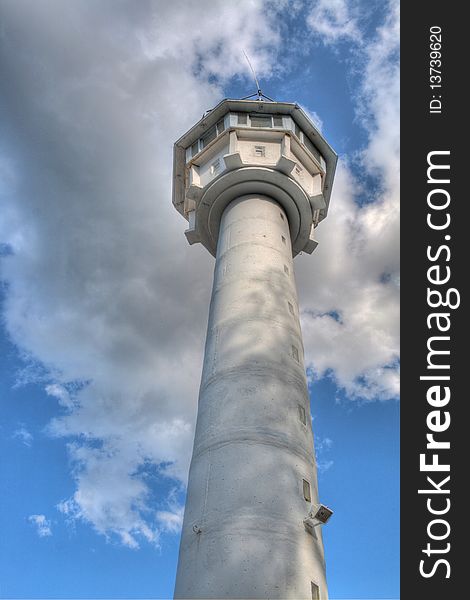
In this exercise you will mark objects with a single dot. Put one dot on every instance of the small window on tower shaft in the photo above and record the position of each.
(277, 121)
(315, 591)
(295, 353)
(242, 119)
(302, 416)
(306, 490)
(260, 150)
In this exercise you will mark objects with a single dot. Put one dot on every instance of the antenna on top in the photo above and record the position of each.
(254, 75)
(258, 93)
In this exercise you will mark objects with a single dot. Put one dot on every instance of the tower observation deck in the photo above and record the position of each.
(253, 179)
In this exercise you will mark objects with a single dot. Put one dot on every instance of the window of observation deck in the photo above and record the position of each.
(207, 138)
(259, 120)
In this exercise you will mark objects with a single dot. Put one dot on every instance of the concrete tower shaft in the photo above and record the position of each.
(253, 476)
(253, 179)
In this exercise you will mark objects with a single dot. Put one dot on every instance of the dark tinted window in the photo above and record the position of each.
(210, 135)
(310, 145)
(260, 121)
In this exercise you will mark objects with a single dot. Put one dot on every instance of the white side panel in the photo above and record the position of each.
(213, 166)
(251, 153)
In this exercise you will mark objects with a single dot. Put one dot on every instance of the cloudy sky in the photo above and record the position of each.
(104, 305)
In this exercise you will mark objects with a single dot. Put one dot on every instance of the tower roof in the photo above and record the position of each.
(253, 146)
(211, 117)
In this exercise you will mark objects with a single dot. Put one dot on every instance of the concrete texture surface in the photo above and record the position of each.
(253, 475)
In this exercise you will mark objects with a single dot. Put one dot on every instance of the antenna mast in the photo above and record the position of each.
(258, 93)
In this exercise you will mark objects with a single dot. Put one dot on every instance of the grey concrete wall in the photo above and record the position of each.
(243, 534)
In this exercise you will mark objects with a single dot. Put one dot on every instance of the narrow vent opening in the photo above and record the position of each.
(215, 166)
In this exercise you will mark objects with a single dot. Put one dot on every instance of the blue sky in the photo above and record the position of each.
(104, 306)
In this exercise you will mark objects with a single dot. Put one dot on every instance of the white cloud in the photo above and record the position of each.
(23, 435)
(105, 298)
(109, 493)
(322, 446)
(351, 320)
(313, 116)
(334, 21)
(171, 521)
(43, 526)
(61, 394)
(215, 35)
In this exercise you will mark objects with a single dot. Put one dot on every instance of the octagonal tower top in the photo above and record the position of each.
(253, 147)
